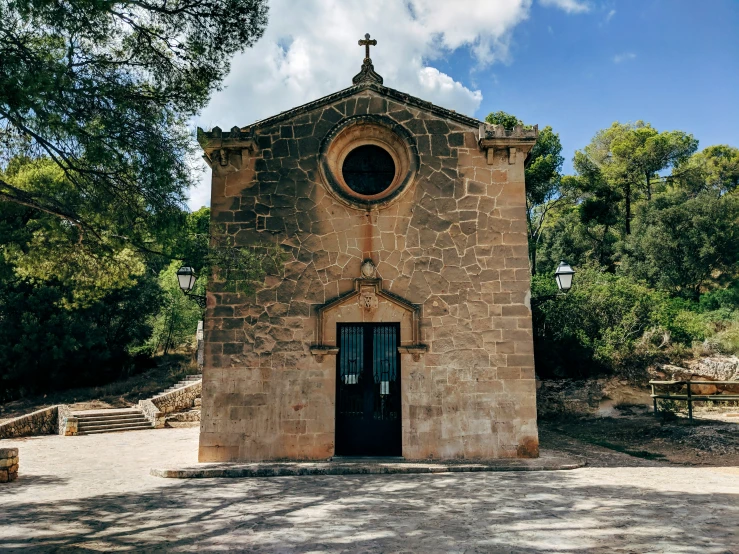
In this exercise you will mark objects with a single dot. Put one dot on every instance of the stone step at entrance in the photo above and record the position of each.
(109, 421)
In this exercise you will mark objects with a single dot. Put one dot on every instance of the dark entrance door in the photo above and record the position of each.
(368, 390)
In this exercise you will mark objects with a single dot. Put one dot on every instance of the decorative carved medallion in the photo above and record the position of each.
(368, 269)
(368, 298)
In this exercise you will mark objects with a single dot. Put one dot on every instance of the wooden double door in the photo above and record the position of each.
(368, 419)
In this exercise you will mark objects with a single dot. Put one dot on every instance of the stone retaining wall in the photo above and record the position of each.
(152, 413)
(177, 400)
(67, 423)
(40, 422)
(8, 464)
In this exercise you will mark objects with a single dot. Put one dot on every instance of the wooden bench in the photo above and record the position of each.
(689, 396)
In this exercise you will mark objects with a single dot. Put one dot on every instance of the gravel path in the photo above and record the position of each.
(94, 493)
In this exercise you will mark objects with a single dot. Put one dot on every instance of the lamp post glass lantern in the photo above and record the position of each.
(186, 277)
(564, 275)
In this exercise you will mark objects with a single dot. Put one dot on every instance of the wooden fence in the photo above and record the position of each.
(688, 395)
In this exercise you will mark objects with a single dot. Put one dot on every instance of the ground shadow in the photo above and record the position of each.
(485, 512)
(25, 481)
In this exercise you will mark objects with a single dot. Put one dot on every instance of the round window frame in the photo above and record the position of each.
(361, 131)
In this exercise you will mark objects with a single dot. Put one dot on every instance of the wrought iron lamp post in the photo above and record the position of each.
(186, 278)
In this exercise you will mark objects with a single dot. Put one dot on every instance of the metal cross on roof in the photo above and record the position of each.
(367, 43)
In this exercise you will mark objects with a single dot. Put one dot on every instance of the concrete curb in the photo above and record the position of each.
(292, 469)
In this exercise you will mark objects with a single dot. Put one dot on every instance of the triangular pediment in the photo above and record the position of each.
(355, 90)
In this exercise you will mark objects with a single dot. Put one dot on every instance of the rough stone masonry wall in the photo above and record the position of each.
(40, 422)
(455, 243)
(8, 464)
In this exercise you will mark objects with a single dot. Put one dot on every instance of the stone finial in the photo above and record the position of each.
(367, 74)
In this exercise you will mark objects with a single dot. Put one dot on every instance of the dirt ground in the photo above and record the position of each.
(711, 440)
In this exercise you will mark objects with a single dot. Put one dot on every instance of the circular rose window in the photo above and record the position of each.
(368, 170)
(368, 161)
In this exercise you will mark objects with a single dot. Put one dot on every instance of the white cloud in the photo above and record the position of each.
(310, 49)
(610, 15)
(570, 6)
(626, 56)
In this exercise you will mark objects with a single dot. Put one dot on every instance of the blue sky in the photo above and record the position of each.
(672, 63)
(577, 65)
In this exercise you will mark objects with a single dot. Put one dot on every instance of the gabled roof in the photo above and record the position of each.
(380, 89)
(345, 93)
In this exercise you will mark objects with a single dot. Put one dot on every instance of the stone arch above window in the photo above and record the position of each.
(368, 161)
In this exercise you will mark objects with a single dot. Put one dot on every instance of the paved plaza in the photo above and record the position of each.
(95, 493)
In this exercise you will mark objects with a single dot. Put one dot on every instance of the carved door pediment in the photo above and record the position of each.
(368, 303)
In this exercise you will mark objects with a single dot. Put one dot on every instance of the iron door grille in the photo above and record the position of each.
(368, 394)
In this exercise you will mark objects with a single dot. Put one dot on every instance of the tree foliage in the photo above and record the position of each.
(714, 170)
(628, 158)
(175, 324)
(652, 228)
(104, 90)
(684, 245)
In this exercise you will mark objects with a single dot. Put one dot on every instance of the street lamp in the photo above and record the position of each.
(186, 277)
(564, 275)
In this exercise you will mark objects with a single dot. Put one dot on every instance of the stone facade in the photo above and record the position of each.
(449, 263)
(8, 464)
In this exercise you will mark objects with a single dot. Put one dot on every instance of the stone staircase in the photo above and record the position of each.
(91, 422)
(189, 380)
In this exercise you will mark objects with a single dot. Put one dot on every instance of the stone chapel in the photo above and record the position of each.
(399, 324)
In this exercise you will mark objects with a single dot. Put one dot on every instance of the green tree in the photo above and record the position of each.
(543, 179)
(105, 90)
(507, 120)
(596, 328)
(71, 311)
(630, 156)
(41, 247)
(48, 343)
(715, 170)
(683, 244)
